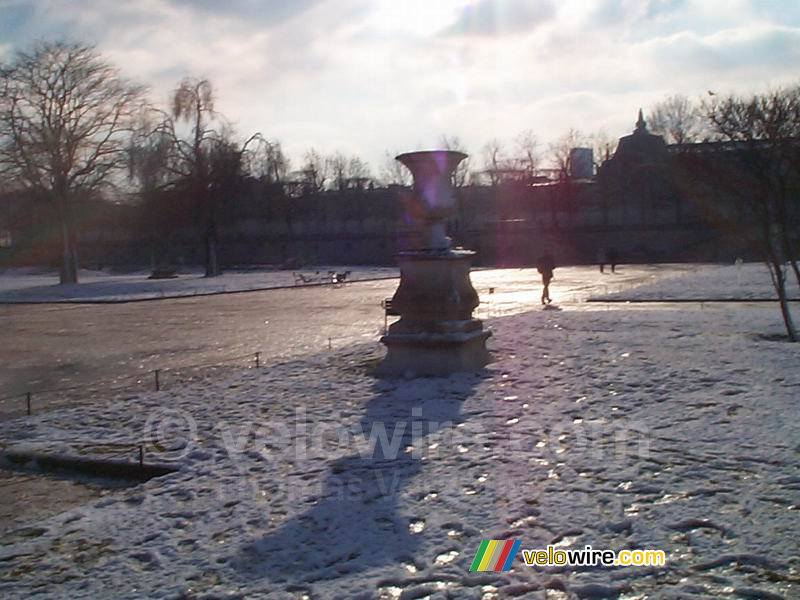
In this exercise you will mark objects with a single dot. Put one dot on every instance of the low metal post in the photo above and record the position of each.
(329, 344)
(28, 402)
(258, 359)
(141, 462)
(158, 382)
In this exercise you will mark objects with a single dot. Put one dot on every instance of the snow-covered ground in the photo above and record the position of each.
(101, 286)
(750, 281)
(671, 430)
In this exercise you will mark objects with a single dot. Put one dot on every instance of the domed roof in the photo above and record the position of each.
(641, 145)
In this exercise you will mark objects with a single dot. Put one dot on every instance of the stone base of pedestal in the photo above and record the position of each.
(435, 354)
(436, 334)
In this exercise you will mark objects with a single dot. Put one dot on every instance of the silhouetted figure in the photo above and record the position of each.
(613, 259)
(546, 266)
(602, 258)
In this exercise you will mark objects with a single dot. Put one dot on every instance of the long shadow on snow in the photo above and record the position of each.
(356, 522)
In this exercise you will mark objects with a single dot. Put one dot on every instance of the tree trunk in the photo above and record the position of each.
(779, 280)
(212, 262)
(74, 247)
(69, 252)
(788, 248)
(795, 269)
(789, 253)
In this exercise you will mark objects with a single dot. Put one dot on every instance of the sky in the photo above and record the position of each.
(367, 77)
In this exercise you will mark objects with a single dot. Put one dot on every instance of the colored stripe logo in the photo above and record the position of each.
(495, 555)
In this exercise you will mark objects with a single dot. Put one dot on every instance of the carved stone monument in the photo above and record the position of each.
(436, 334)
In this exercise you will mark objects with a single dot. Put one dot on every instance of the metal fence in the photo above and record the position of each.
(39, 399)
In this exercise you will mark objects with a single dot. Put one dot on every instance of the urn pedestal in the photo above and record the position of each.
(436, 334)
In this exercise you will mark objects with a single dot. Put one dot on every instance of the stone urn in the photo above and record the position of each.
(436, 334)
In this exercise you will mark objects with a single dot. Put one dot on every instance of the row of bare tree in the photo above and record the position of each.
(737, 155)
(72, 127)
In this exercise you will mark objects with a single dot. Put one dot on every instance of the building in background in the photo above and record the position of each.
(635, 203)
(581, 163)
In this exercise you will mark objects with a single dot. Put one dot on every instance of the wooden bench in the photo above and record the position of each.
(341, 277)
(299, 278)
(331, 277)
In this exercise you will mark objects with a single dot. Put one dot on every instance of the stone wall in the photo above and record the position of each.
(509, 224)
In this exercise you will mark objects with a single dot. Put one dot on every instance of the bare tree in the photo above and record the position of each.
(561, 152)
(677, 119)
(268, 162)
(394, 172)
(204, 163)
(337, 167)
(193, 103)
(603, 146)
(461, 176)
(358, 170)
(148, 164)
(754, 174)
(493, 161)
(65, 117)
(149, 155)
(314, 172)
(527, 149)
(347, 173)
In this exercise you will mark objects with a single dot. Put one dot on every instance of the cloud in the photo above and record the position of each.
(656, 8)
(263, 12)
(745, 56)
(635, 12)
(498, 17)
(788, 10)
(366, 75)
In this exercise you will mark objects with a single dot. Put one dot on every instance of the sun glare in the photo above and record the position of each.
(419, 17)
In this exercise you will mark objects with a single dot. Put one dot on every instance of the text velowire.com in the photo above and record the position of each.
(588, 557)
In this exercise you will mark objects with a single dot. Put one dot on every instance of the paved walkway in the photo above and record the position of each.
(53, 346)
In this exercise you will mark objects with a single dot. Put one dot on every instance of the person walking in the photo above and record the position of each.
(613, 258)
(546, 265)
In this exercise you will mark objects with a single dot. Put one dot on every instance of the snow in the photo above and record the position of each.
(28, 285)
(628, 429)
(750, 281)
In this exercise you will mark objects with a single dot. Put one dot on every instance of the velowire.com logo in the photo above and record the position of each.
(495, 555)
